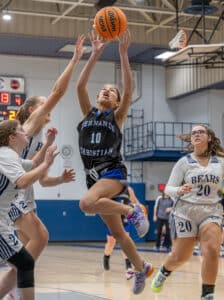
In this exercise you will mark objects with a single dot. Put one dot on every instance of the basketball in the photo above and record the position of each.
(110, 22)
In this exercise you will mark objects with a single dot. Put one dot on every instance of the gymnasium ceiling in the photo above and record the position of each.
(42, 27)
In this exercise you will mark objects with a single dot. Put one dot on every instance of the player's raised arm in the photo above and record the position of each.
(98, 45)
(126, 77)
(57, 91)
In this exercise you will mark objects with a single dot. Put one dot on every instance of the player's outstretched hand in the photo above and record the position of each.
(79, 48)
(68, 175)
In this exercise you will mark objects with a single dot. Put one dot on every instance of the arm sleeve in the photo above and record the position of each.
(176, 178)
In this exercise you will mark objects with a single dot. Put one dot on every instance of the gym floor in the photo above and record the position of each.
(75, 271)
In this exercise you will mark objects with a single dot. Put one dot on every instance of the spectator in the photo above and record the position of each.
(162, 208)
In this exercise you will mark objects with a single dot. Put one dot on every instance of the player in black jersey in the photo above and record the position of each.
(99, 145)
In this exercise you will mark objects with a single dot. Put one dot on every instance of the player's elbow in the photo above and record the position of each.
(21, 184)
(43, 183)
(59, 92)
(80, 87)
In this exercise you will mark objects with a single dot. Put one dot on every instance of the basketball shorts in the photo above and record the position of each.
(9, 243)
(23, 204)
(186, 219)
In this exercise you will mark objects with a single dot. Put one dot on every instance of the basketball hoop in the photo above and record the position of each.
(179, 41)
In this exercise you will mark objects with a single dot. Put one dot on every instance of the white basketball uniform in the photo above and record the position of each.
(11, 168)
(202, 204)
(25, 202)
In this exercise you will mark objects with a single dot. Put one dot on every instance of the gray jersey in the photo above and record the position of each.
(25, 202)
(11, 168)
(206, 180)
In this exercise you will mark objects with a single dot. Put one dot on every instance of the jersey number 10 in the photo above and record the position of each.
(95, 137)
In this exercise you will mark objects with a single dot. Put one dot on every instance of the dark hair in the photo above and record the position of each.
(7, 128)
(24, 112)
(214, 146)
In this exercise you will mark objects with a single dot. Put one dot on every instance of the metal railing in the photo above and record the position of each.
(155, 136)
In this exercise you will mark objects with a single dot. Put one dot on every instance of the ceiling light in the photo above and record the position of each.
(6, 16)
(165, 55)
(71, 47)
(200, 7)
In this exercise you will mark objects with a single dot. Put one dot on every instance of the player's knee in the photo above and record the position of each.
(85, 205)
(41, 233)
(211, 251)
(25, 264)
(44, 236)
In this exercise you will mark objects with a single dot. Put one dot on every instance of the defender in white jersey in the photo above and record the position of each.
(34, 114)
(25, 202)
(15, 175)
(196, 182)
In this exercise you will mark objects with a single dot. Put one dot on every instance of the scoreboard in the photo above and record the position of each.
(12, 96)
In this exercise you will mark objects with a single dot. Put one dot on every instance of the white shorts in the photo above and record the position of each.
(22, 207)
(9, 243)
(186, 218)
(23, 204)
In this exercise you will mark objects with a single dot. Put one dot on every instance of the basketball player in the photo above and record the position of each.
(99, 146)
(14, 179)
(34, 115)
(111, 241)
(196, 181)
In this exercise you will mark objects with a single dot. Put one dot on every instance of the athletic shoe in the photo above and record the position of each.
(208, 297)
(130, 273)
(106, 262)
(139, 220)
(140, 278)
(158, 281)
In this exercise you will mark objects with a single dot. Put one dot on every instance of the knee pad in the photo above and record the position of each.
(24, 263)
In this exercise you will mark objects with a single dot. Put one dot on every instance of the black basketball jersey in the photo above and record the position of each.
(99, 138)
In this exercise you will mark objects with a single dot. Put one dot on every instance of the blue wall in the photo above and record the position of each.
(66, 222)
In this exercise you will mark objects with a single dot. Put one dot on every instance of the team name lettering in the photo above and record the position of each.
(97, 153)
(106, 124)
(205, 178)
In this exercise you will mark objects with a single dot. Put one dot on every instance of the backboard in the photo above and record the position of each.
(211, 55)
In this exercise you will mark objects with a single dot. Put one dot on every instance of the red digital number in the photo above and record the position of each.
(4, 98)
(18, 100)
